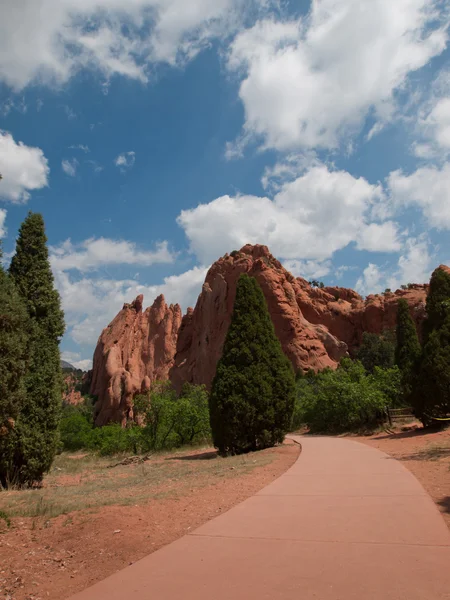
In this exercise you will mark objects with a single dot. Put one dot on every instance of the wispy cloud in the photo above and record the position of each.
(81, 147)
(96, 167)
(70, 166)
(125, 160)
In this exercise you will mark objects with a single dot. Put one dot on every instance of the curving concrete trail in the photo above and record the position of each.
(346, 522)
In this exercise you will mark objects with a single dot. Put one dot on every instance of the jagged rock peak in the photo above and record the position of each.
(135, 349)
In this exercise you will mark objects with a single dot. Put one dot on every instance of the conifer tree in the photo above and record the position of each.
(38, 421)
(377, 351)
(433, 398)
(408, 350)
(13, 355)
(253, 392)
(438, 294)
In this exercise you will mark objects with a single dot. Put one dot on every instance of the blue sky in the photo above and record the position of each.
(156, 135)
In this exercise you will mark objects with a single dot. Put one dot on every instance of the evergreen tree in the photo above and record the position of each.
(37, 425)
(377, 351)
(408, 350)
(433, 396)
(253, 392)
(438, 294)
(13, 354)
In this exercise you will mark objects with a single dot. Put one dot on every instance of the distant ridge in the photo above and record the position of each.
(65, 365)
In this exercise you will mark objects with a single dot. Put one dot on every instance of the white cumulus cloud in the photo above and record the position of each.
(49, 41)
(74, 358)
(310, 218)
(311, 82)
(414, 265)
(370, 280)
(95, 253)
(91, 303)
(308, 268)
(427, 188)
(23, 169)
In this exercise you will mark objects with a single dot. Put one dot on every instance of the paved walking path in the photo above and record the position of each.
(346, 522)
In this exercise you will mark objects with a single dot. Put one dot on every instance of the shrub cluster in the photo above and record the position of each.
(167, 422)
(347, 399)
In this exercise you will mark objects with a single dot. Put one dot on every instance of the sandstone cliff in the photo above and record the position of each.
(136, 348)
(204, 329)
(316, 327)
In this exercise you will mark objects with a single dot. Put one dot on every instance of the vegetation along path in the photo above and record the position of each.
(346, 521)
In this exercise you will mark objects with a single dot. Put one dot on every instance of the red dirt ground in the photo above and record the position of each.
(426, 454)
(58, 557)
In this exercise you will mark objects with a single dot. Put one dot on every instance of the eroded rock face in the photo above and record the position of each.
(137, 348)
(204, 329)
(316, 327)
(347, 315)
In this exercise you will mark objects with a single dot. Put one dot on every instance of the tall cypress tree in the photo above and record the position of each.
(408, 350)
(13, 356)
(253, 392)
(433, 399)
(438, 294)
(38, 420)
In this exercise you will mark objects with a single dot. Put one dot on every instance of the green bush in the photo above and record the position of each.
(75, 430)
(347, 399)
(167, 422)
(171, 422)
(389, 382)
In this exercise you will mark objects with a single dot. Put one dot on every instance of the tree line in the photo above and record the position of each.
(391, 370)
(255, 398)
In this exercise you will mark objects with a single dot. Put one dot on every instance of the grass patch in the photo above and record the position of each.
(4, 517)
(433, 452)
(85, 481)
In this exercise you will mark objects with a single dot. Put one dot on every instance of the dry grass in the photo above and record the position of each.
(431, 452)
(86, 481)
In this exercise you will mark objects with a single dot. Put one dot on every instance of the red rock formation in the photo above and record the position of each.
(135, 349)
(203, 330)
(347, 315)
(315, 326)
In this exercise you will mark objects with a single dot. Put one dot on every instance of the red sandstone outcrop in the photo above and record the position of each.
(203, 330)
(315, 326)
(347, 315)
(135, 349)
